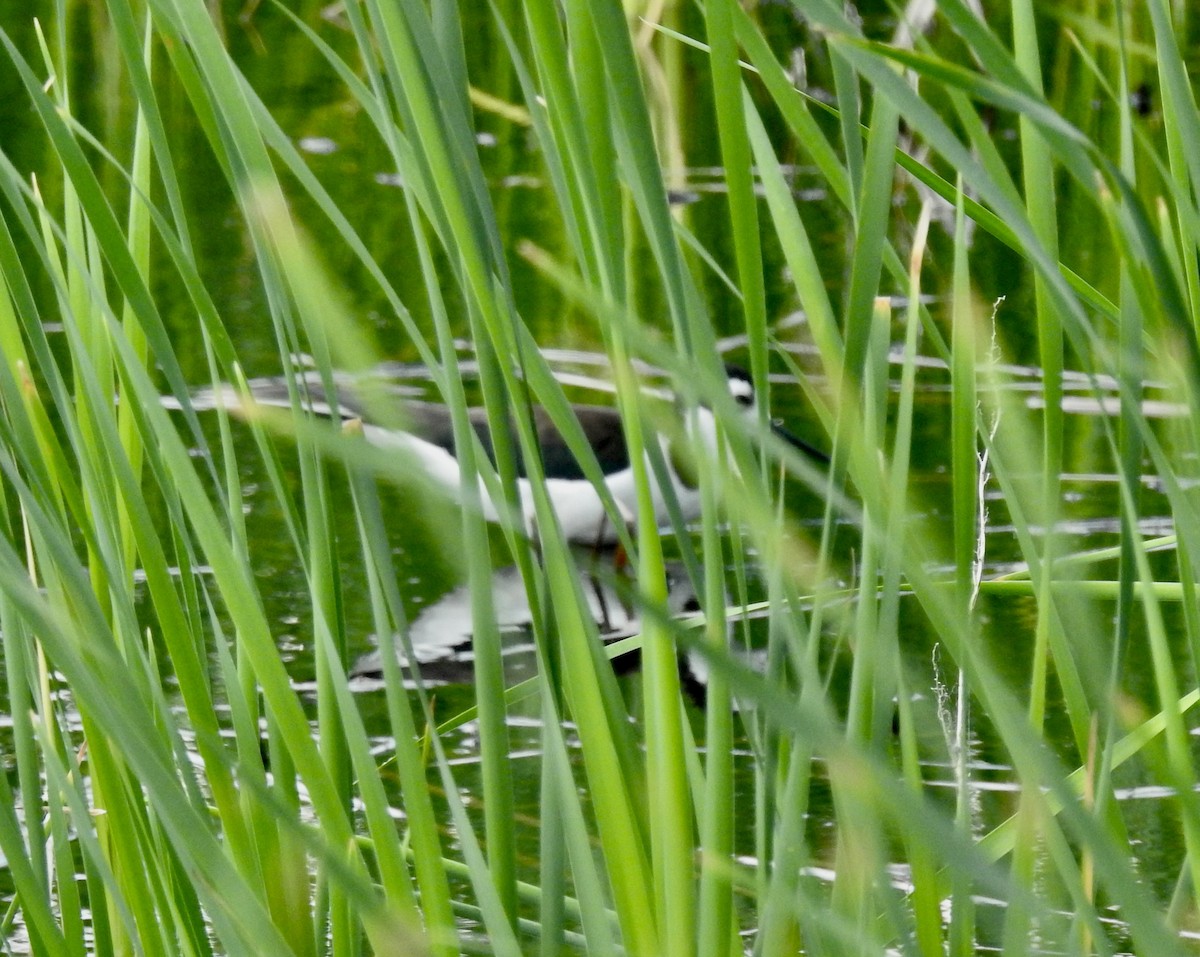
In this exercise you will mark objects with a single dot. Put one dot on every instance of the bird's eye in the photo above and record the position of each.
(744, 398)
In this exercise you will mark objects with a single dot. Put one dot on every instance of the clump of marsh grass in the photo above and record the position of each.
(192, 803)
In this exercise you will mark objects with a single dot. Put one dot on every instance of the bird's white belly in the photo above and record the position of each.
(437, 465)
(582, 514)
(575, 501)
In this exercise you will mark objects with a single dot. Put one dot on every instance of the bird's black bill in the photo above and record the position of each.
(798, 443)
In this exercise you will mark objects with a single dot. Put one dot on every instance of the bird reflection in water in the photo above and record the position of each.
(441, 637)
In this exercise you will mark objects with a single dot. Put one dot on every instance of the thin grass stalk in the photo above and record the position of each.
(624, 829)
(873, 211)
(598, 924)
(633, 135)
(1178, 759)
(927, 917)
(737, 161)
(780, 921)
(137, 58)
(564, 136)
(670, 813)
(322, 588)
(139, 233)
(489, 675)
(23, 672)
(70, 267)
(716, 927)
(552, 849)
(868, 656)
(855, 849)
(131, 893)
(1181, 127)
(620, 834)
(489, 669)
(715, 912)
(813, 295)
(1181, 118)
(774, 750)
(888, 685)
(606, 245)
(738, 632)
(1181, 122)
(23, 842)
(1131, 371)
(332, 914)
(898, 516)
(800, 256)
(778, 926)
(846, 92)
(393, 872)
(59, 787)
(970, 534)
(284, 866)
(1037, 169)
(793, 106)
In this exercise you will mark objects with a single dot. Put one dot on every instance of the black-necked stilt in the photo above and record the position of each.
(428, 436)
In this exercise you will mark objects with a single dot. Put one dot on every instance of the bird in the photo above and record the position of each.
(428, 436)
